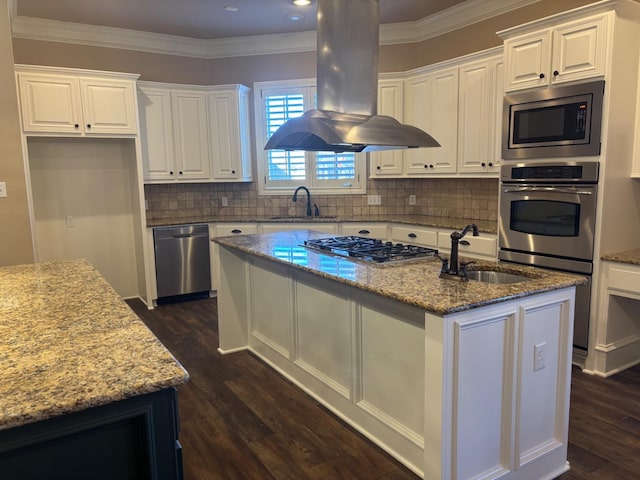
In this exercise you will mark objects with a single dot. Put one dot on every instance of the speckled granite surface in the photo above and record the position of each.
(414, 282)
(422, 220)
(68, 342)
(628, 256)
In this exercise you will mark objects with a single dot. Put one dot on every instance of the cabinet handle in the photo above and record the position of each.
(465, 243)
(556, 73)
(76, 126)
(412, 235)
(364, 232)
(88, 125)
(430, 166)
(542, 75)
(483, 164)
(491, 164)
(236, 230)
(427, 166)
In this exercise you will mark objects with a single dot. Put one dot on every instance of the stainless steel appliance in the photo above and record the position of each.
(547, 219)
(182, 259)
(369, 249)
(554, 122)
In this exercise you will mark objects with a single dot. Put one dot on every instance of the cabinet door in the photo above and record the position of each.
(50, 103)
(415, 235)
(384, 163)
(579, 49)
(431, 103)
(224, 135)
(527, 60)
(498, 105)
(475, 120)
(156, 136)
(371, 230)
(189, 111)
(108, 106)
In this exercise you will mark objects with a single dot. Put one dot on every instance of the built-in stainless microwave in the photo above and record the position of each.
(553, 122)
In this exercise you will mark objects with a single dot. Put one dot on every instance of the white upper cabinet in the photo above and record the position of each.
(189, 114)
(431, 103)
(570, 51)
(69, 104)
(194, 133)
(390, 98)
(229, 133)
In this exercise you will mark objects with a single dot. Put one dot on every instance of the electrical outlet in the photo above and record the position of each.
(412, 199)
(374, 200)
(68, 221)
(225, 202)
(538, 356)
(3, 189)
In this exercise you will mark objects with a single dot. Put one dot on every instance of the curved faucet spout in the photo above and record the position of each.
(295, 198)
(454, 266)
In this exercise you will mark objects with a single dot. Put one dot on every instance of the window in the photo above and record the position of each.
(280, 171)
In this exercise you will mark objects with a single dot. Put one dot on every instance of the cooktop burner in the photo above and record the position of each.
(370, 249)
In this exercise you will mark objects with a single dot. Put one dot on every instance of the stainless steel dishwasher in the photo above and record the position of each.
(182, 259)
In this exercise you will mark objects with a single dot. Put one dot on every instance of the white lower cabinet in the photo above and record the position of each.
(484, 247)
(224, 230)
(373, 230)
(285, 226)
(424, 236)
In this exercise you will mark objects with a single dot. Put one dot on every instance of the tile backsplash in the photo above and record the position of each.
(468, 198)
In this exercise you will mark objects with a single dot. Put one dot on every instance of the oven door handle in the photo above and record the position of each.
(547, 189)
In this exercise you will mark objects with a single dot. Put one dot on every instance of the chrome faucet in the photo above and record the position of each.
(295, 199)
(452, 268)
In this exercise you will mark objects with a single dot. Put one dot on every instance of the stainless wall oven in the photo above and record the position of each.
(547, 219)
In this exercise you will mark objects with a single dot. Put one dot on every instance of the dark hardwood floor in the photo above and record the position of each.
(241, 420)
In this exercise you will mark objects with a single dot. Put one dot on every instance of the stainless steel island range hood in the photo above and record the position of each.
(346, 119)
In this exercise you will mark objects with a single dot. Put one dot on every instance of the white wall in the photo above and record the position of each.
(93, 181)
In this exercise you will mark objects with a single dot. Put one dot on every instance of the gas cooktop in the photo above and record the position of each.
(369, 249)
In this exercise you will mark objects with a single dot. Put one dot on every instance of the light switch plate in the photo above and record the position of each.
(3, 189)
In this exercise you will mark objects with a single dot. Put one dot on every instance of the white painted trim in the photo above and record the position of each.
(461, 15)
(623, 342)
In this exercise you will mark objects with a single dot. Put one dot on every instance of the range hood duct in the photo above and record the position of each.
(346, 119)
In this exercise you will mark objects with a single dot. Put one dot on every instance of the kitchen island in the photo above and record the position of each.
(440, 373)
(87, 390)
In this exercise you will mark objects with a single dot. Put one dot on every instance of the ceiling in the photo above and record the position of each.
(208, 19)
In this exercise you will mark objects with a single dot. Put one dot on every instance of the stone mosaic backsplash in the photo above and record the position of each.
(468, 198)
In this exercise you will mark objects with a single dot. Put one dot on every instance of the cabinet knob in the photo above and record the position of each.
(542, 75)
(430, 166)
(171, 172)
(233, 171)
(180, 172)
(491, 164)
(427, 166)
(364, 232)
(483, 164)
(88, 125)
(236, 230)
(556, 73)
(378, 167)
(76, 126)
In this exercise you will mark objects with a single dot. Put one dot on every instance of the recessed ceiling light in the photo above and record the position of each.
(295, 17)
(301, 3)
(230, 8)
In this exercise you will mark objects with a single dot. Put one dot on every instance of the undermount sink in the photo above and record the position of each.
(490, 276)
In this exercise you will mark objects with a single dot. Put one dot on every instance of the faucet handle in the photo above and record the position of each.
(463, 269)
(445, 264)
(316, 210)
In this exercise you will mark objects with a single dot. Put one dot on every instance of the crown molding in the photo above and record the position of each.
(461, 15)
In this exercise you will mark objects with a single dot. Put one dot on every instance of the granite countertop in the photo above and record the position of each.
(68, 342)
(629, 256)
(485, 226)
(414, 282)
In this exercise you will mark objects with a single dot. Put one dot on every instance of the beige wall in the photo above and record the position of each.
(15, 241)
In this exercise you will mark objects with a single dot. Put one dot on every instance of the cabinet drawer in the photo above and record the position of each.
(228, 229)
(284, 226)
(416, 236)
(378, 231)
(625, 278)
(484, 245)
